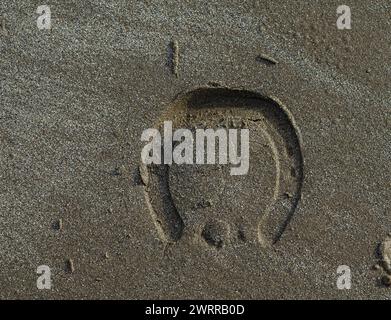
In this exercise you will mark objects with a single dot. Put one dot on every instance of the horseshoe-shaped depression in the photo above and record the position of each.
(183, 199)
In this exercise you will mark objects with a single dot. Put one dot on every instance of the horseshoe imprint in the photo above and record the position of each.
(183, 199)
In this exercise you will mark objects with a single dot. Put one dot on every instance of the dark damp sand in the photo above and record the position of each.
(75, 100)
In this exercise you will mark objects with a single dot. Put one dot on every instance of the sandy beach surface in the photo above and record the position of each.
(75, 99)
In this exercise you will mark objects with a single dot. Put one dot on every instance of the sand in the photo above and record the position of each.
(75, 100)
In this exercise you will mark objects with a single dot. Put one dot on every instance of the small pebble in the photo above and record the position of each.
(376, 267)
(385, 252)
(386, 280)
(288, 195)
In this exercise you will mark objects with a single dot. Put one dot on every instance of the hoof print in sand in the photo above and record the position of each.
(206, 201)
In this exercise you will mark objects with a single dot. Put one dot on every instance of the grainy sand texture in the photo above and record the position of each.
(76, 197)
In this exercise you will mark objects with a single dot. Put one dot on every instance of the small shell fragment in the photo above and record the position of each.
(71, 266)
(266, 59)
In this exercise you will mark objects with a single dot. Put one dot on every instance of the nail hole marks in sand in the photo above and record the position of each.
(205, 200)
